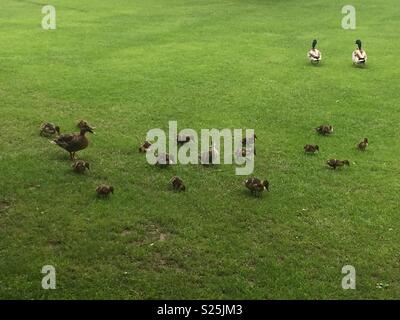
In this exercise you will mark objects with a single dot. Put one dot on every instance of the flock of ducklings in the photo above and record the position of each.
(333, 163)
(255, 185)
(75, 142)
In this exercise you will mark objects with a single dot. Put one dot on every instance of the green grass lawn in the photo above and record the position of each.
(128, 66)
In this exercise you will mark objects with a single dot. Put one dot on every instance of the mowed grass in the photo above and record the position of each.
(130, 66)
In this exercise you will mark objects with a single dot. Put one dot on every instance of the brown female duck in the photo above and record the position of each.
(74, 142)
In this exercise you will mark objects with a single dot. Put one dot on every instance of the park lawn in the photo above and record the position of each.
(128, 66)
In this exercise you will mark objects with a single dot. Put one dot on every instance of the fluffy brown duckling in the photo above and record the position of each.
(363, 144)
(49, 129)
(246, 152)
(164, 160)
(209, 157)
(334, 163)
(104, 190)
(177, 184)
(74, 142)
(311, 148)
(256, 186)
(324, 129)
(80, 166)
(249, 140)
(181, 139)
(145, 147)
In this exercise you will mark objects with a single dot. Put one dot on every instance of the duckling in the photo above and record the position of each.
(80, 166)
(363, 144)
(256, 186)
(104, 190)
(334, 163)
(164, 160)
(145, 147)
(359, 55)
(310, 148)
(74, 142)
(49, 129)
(245, 152)
(314, 54)
(324, 129)
(209, 157)
(177, 184)
(181, 139)
(249, 140)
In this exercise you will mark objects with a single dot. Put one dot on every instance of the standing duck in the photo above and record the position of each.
(256, 186)
(80, 166)
(177, 184)
(49, 130)
(311, 148)
(334, 163)
(324, 129)
(104, 190)
(363, 144)
(74, 142)
(314, 54)
(359, 55)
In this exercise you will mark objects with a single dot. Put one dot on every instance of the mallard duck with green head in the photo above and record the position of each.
(314, 54)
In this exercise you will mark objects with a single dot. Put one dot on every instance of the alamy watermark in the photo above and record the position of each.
(236, 148)
(49, 280)
(349, 20)
(349, 280)
(49, 20)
